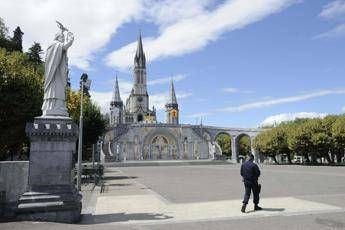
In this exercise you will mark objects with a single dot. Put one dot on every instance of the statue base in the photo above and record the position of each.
(52, 195)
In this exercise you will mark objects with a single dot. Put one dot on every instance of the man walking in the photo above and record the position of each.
(250, 173)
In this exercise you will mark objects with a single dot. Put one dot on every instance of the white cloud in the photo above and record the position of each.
(343, 109)
(165, 80)
(283, 117)
(333, 10)
(102, 99)
(92, 22)
(284, 100)
(338, 31)
(164, 13)
(194, 31)
(235, 90)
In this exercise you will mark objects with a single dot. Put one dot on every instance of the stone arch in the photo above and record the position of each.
(229, 154)
(241, 151)
(160, 144)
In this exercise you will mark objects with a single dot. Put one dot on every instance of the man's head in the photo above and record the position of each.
(60, 37)
(250, 157)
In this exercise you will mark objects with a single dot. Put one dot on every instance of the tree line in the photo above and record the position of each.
(312, 139)
(21, 97)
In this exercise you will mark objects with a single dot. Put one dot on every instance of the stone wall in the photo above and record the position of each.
(13, 180)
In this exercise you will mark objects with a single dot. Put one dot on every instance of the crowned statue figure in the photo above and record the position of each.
(55, 74)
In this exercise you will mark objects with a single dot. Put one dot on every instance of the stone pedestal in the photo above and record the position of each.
(52, 195)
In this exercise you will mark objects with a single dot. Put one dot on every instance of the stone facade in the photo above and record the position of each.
(134, 133)
(168, 142)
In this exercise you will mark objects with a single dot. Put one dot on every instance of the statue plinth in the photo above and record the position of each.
(52, 195)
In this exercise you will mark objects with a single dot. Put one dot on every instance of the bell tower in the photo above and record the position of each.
(171, 107)
(139, 99)
(116, 106)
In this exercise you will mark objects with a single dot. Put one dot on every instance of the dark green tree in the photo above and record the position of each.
(244, 148)
(338, 134)
(17, 39)
(21, 93)
(5, 41)
(94, 126)
(93, 121)
(3, 29)
(34, 53)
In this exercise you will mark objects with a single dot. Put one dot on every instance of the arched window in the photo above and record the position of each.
(140, 118)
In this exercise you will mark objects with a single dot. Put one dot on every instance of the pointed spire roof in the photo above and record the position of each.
(116, 95)
(139, 59)
(172, 95)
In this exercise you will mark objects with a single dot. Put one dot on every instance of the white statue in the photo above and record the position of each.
(55, 74)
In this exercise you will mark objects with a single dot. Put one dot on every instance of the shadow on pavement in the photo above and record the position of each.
(121, 217)
(269, 210)
(120, 185)
(118, 177)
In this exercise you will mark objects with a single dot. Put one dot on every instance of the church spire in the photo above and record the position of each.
(172, 98)
(172, 111)
(116, 94)
(139, 59)
(116, 106)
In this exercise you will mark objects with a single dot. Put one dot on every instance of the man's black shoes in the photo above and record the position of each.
(257, 208)
(243, 209)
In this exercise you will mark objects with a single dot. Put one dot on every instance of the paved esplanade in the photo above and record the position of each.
(209, 197)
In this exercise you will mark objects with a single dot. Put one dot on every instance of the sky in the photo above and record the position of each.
(235, 63)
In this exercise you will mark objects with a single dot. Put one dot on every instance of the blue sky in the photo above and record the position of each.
(236, 63)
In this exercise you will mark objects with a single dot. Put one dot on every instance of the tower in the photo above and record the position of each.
(172, 112)
(116, 106)
(138, 101)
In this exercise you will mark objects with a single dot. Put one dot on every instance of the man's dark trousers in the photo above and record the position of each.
(251, 186)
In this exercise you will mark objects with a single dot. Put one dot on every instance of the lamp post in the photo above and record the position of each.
(84, 82)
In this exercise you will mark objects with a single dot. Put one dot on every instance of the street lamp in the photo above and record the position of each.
(84, 82)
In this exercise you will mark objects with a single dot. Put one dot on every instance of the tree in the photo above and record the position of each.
(17, 39)
(270, 142)
(224, 141)
(34, 53)
(94, 126)
(5, 41)
(93, 121)
(3, 29)
(21, 93)
(244, 147)
(338, 134)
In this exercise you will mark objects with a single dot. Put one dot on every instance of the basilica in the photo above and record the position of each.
(135, 134)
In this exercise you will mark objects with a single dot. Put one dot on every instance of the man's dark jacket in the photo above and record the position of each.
(250, 172)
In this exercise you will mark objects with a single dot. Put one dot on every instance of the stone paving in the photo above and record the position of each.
(127, 201)
(209, 197)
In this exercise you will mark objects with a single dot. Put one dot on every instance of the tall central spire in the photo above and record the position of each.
(139, 59)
